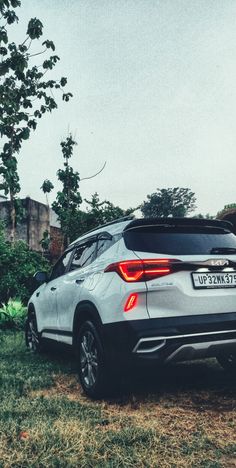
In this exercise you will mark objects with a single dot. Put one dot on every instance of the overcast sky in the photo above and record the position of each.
(154, 86)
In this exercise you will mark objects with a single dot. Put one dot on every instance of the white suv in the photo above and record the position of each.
(158, 290)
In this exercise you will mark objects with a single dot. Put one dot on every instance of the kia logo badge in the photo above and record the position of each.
(219, 262)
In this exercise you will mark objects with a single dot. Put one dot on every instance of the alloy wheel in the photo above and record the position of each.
(32, 338)
(89, 359)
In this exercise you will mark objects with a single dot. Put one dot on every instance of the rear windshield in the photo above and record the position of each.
(180, 241)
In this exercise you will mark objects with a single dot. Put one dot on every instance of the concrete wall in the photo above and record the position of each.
(37, 218)
(34, 222)
(37, 223)
(21, 230)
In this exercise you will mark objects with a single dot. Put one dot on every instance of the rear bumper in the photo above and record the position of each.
(172, 339)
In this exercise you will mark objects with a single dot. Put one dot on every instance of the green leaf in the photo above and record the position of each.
(15, 3)
(32, 124)
(37, 114)
(66, 96)
(63, 81)
(3, 51)
(22, 48)
(35, 28)
(25, 134)
(49, 45)
(18, 62)
(47, 65)
(4, 68)
(11, 17)
(3, 36)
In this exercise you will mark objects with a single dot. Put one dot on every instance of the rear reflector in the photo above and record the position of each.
(142, 270)
(131, 302)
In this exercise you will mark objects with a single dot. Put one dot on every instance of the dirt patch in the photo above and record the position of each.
(183, 413)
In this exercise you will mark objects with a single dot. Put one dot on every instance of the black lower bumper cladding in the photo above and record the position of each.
(121, 338)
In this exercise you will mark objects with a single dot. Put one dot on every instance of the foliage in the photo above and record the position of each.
(206, 216)
(176, 202)
(97, 213)
(25, 94)
(68, 200)
(12, 314)
(45, 241)
(17, 267)
(103, 212)
(47, 186)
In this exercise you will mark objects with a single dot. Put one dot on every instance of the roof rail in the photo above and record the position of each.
(117, 220)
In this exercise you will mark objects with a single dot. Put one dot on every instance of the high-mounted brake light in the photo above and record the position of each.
(142, 270)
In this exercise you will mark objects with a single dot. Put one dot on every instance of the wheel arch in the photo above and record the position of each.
(85, 310)
(31, 308)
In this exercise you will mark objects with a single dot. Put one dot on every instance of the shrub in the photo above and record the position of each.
(17, 267)
(13, 314)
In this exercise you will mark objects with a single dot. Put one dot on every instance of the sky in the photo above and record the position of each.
(154, 85)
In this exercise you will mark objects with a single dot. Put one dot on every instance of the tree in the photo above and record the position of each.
(176, 202)
(25, 94)
(206, 216)
(103, 212)
(68, 200)
(98, 213)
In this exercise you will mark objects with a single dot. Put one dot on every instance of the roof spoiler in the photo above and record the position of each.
(178, 222)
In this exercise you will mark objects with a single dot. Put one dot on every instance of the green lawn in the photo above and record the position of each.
(183, 416)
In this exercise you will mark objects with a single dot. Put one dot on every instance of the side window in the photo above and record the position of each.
(60, 267)
(83, 254)
(104, 244)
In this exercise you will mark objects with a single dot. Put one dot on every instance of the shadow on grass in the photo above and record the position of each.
(201, 384)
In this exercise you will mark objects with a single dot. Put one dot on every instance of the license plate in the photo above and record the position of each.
(214, 280)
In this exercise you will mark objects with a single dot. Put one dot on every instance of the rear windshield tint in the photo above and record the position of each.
(181, 241)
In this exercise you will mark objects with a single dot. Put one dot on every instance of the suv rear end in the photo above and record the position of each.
(188, 269)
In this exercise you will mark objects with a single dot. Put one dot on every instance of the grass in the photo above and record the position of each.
(181, 417)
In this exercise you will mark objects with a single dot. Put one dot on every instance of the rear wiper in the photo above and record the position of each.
(223, 250)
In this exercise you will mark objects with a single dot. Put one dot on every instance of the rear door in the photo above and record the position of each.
(79, 276)
(193, 278)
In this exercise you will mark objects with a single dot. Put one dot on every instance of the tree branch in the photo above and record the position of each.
(25, 40)
(38, 53)
(97, 173)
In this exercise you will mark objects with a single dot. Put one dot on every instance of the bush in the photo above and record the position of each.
(13, 315)
(17, 267)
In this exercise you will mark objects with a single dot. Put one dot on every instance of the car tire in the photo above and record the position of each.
(228, 362)
(93, 368)
(32, 337)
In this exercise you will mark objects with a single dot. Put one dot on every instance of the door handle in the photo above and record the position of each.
(53, 289)
(79, 280)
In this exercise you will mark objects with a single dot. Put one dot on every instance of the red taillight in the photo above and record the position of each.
(141, 270)
(130, 271)
(131, 302)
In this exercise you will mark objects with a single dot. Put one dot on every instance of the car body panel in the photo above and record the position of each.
(174, 295)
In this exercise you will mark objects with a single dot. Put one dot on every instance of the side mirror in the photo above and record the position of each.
(41, 277)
